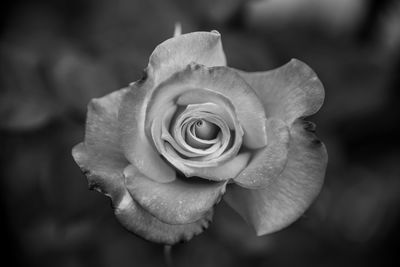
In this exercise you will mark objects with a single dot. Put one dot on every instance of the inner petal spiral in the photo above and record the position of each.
(205, 130)
(199, 137)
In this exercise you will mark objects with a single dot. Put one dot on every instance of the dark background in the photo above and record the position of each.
(55, 55)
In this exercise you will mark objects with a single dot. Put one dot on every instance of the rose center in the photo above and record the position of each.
(205, 130)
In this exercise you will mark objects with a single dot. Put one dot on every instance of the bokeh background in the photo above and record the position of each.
(55, 55)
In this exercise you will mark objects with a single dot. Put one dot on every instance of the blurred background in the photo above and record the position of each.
(55, 55)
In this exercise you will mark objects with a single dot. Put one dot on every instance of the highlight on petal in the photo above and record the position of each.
(289, 195)
(138, 149)
(137, 220)
(174, 54)
(268, 162)
(289, 92)
(179, 202)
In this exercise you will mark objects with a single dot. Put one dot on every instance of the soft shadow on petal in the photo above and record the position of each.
(179, 202)
(288, 92)
(138, 221)
(287, 197)
(269, 162)
(136, 145)
(175, 54)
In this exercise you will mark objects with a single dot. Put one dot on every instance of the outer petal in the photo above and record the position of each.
(179, 202)
(175, 54)
(102, 126)
(288, 196)
(102, 169)
(289, 92)
(105, 174)
(137, 220)
(100, 155)
(269, 162)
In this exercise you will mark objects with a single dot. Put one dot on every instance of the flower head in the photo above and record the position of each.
(193, 131)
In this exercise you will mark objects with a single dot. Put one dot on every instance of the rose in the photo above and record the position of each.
(169, 146)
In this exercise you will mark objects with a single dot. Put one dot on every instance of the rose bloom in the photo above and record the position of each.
(192, 131)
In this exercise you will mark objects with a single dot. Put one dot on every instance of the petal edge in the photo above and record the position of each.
(182, 201)
(285, 200)
(289, 92)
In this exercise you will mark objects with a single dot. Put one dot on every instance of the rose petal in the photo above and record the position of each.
(100, 156)
(137, 148)
(289, 92)
(137, 220)
(224, 81)
(205, 161)
(205, 130)
(179, 202)
(209, 108)
(220, 172)
(105, 174)
(103, 169)
(102, 127)
(196, 142)
(160, 134)
(269, 161)
(288, 196)
(175, 54)
(228, 170)
(227, 110)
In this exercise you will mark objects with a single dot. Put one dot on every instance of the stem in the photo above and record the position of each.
(168, 255)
